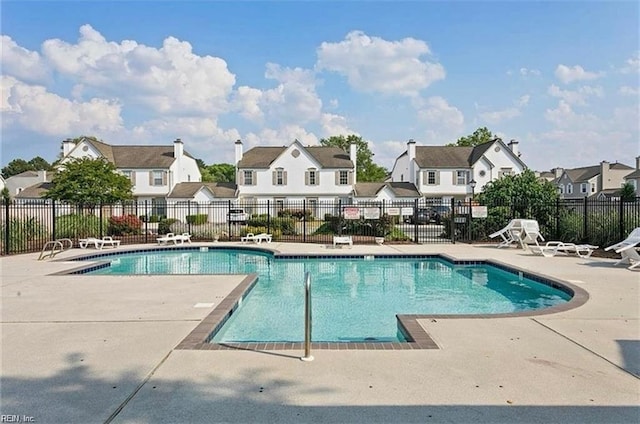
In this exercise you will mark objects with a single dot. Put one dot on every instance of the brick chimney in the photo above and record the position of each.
(178, 148)
(238, 151)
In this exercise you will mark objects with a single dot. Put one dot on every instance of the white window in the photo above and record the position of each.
(593, 187)
(313, 177)
(130, 175)
(430, 178)
(247, 177)
(583, 188)
(569, 188)
(505, 171)
(461, 177)
(157, 178)
(344, 178)
(561, 188)
(279, 176)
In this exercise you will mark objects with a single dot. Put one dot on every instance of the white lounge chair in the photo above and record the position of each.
(553, 248)
(106, 241)
(509, 233)
(529, 233)
(627, 249)
(259, 238)
(342, 240)
(174, 238)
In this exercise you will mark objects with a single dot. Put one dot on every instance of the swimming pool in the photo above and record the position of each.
(354, 299)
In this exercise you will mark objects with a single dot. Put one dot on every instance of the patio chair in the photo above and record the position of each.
(256, 238)
(342, 240)
(106, 241)
(529, 233)
(509, 233)
(552, 248)
(627, 249)
(181, 238)
(169, 237)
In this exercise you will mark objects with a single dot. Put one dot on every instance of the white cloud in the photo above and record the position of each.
(632, 65)
(333, 124)
(568, 74)
(372, 64)
(170, 80)
(35, 109)
(575, 97)
(626, 90)
(439, 113)
(282, 136)
(529, 72)
(497, 116)
(21, 63)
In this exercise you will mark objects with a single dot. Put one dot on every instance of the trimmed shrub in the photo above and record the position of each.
(124, 225)
(22, 231)
(287, 226)
(79, 226)
(164, 226)
(198, 219)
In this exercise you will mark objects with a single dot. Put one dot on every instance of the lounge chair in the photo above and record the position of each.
(174, 238)
(529, 233)
(256, 238)
(342, 240)
(509, 233)
(106, 241)
(552, 248)
(627, 249)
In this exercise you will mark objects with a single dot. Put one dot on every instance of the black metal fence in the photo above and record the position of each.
(27, 227)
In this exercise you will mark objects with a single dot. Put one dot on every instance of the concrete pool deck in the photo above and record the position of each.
(101, 349)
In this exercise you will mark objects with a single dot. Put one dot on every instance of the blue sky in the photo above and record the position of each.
(560, 77)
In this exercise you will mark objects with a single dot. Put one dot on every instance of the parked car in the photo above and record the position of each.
(442, 210)
(237, 216)
(424, 216)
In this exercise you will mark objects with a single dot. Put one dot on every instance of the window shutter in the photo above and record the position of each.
(273, 177)
(437, 177)
(150, 178)
(350, 177)
(240, 177)
(164, 178)
(337, 177)
(317, 177)
(306, 177)
(425, 177)
(254, 178)
(454, 173)
(133, 177)
(284, 177)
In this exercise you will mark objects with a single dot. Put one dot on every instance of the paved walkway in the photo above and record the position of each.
(96, 349)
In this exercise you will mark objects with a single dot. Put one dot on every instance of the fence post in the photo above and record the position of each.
(229, 218)
(584, 223)
(269, 216)
(6, 226)
(622, 234)
(53, 219)
(304, 220)
(146, 221)
(341, 217)
(415, 220)
(557, 234)
(100, 218)
(188, 215)
(452, 224)
(469, 218)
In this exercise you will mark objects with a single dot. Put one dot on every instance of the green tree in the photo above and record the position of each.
(479, 136)
(628, 193)
(222, 172)
(86, 181)
(18, 166)
(367, 170)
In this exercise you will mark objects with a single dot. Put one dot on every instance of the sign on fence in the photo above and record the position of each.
(351, 213)
(393, 211)
(479, 212)
(371, 213)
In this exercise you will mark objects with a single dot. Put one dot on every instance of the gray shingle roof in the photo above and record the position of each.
(400, 189)
(587, 172)
(188, 190)
(136, 156)
(35, 191)
(634, 174)
(263, 156)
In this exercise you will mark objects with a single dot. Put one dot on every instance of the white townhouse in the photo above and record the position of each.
(295, 173)
(194, 198)
(634, 177)
(19, 182)
(445, 172)
(154, 171)
(601, 181)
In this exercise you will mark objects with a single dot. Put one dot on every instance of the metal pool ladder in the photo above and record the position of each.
(307, 318)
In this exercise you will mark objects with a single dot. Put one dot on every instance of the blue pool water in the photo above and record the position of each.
(353, 299)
